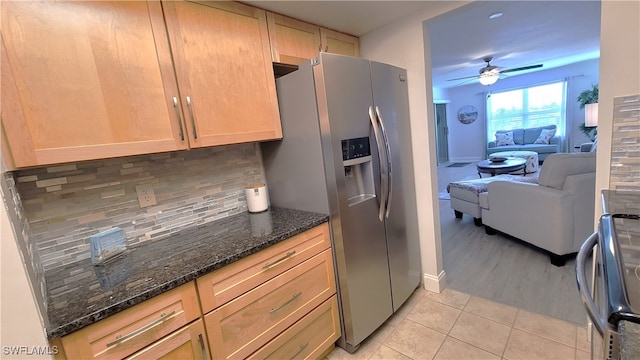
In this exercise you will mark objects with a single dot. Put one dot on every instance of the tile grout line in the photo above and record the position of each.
(513, 326)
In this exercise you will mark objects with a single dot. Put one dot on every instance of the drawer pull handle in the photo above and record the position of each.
(120, 338)
(202, 347)
(302, 347)
(295, 296)
(289, 254)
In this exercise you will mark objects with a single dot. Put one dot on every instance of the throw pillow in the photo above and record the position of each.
(545, 136)
(504, 139)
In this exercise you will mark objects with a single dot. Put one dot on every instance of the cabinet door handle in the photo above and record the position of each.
(202, 347)
(175, 106)
(295, 296)
(289, 254)
(121, 338)
(193, 118)
(301, 349)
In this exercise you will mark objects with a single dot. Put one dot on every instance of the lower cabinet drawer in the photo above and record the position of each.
(186, 343)
(245, 324)
(225, 284)
(308, 338)
(130, 330)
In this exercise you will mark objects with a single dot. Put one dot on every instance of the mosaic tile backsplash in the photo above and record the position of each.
(66, 204)
(625, 144)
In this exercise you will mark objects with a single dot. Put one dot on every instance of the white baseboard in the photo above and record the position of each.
(434, 283)
(466, 159)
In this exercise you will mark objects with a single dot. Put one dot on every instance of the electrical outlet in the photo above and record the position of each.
(146, 196)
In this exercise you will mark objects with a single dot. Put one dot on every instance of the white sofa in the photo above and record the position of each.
(556, 214)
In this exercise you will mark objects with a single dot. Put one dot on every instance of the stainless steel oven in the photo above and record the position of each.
(614, 298)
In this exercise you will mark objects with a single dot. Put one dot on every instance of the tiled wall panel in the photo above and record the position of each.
(66, 204)
(625, 144)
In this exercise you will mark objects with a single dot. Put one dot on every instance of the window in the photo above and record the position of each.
(526, 108)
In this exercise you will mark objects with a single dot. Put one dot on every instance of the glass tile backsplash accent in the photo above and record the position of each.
(66, 204)
(625, 144)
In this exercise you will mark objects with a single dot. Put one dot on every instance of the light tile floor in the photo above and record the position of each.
(454, 325)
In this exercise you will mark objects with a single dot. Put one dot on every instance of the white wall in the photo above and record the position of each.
(403, 44)
(467, 141)
(619, 75)
(20, 323)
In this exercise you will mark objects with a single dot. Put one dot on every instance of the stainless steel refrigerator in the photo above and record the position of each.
(346, 152)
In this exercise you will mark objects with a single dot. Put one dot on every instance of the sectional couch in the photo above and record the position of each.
(525, 140)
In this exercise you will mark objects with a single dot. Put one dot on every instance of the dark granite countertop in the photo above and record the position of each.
(80, 294)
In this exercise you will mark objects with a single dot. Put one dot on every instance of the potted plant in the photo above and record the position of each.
(589, 96)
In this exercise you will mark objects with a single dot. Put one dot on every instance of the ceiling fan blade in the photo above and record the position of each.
(521, 68)
(466, 77)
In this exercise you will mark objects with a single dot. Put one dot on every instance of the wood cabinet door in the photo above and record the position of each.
(186, 343)
(338, 43)
(245, 324)
(85, 80)
(225, 75)
(292, 41)
(135, 328)
(309, 338)
(231, 281)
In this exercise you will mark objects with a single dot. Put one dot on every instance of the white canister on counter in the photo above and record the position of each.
(257, 199)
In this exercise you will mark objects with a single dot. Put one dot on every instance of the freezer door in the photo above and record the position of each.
(343, 87)
(391, 99)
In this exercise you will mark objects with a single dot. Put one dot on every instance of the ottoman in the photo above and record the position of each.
(530, 156)
(465, 194)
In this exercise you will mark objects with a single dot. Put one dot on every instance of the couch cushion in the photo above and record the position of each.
(545, 136)
(557, 167)
(504, 148)
(504, 139)
(531, 134)
(518, 136)
(540, 148)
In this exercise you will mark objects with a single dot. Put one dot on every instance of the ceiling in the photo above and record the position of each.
(553, 33)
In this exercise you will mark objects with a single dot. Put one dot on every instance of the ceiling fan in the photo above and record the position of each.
(491, 73)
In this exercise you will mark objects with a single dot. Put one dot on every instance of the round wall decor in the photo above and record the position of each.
(467, 114)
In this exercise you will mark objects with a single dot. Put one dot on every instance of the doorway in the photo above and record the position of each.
(442, 133)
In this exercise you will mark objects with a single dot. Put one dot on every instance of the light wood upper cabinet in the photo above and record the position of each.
(86, 80)
(223, 66)
(292, 41)
(338, 43)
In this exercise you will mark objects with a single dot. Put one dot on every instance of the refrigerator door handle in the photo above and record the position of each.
(383, 179)
(581, 276)
(389, 173)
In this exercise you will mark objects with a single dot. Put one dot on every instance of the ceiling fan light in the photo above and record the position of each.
(489, 78)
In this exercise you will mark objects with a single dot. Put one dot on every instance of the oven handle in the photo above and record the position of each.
(581, 276)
